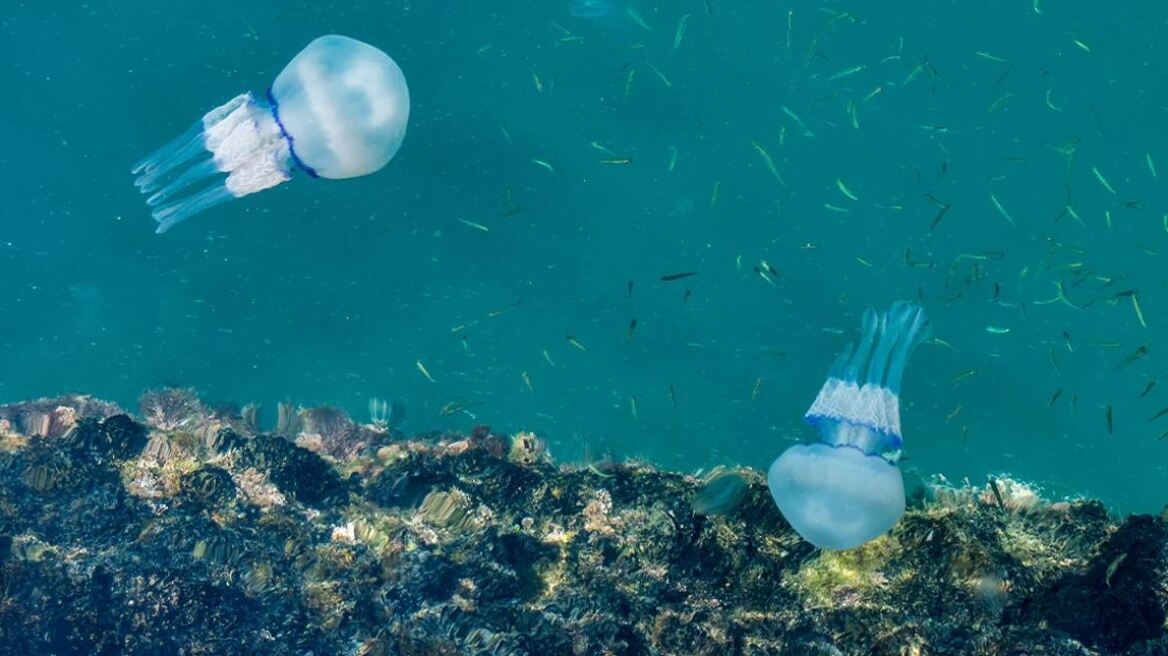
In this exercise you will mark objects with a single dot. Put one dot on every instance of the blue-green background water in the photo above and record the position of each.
(329, 292)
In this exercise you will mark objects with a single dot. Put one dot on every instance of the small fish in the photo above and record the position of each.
(1082, 46)
(659, 74)
(1000, 102)
(630, 288)
(636, 18)
(845, 73)
(672, 396)
(425, 372)
(1151, 164)
(1158, 415)
(602, 148)
(679, 34)
(670, 277)
(1067, 341)
(770, 162)
(1140, 352)
(632, 329)
(968, 373)
(1110, 422)
(757, 387)
(527, 381)
(1113, 567)
(1139, 312)
(1001, 210)
(476, 226)
(940, 215)
(790, 26)
(799, 121)
(1102, 180)
(541, 163)
(574, 342)
(629, 81)
(633, 407)
(956, 411)
(763, 274)
(547, 356)
(538, 82)
(617, 161)
(714, 194)
(1151, 384)
(503, 310)
(672, 159)
(844, 189)
(997, 330)
(993, 58)
(1055, 397)
(465, 343)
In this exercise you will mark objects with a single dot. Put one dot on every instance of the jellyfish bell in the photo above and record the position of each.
(338, 110)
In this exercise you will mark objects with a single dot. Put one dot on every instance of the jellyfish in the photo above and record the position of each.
(846, 489)
(338, 110)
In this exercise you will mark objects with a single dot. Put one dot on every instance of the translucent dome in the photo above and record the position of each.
(344, 106)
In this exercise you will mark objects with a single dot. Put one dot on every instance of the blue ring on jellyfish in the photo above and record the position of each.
(289, 138)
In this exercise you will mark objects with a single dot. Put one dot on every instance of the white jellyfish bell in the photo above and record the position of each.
(338, 110)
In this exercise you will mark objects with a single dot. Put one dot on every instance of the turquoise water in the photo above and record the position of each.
(331, 292)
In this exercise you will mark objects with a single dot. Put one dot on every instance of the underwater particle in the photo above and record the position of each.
(840, 498)
(338, 110)
(721, 493)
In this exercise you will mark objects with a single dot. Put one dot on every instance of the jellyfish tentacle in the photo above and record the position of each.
(158, 157)
(914, 328)
(878, 367)
(180, 210)
(151, 178)
(841, 363)
(860, 357)
(195, 174)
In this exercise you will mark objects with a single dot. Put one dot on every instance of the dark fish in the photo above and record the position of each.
(1140, 352)
(940, 215)
(1057, 394)
(632, 329)
(1158, 415)
(1151, 384)
(678, 276)
(1110, 424)
(721, 494)
(685, 296)
(630, 289)
(672, 396)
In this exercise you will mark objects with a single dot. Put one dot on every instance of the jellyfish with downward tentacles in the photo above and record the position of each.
(846, 489)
